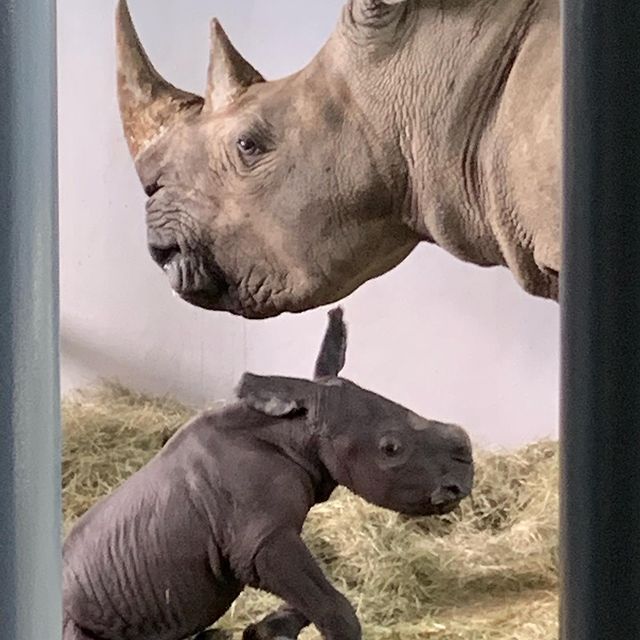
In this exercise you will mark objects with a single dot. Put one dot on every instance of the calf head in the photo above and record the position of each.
(380, 450)
(264, 197)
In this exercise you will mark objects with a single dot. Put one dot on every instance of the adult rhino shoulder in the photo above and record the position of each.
(419, 120)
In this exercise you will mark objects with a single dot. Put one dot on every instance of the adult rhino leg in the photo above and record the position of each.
(285, 623)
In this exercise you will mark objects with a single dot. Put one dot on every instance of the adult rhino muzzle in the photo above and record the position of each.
(192, 272)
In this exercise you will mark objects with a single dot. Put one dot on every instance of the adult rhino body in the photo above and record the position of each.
(419, 120)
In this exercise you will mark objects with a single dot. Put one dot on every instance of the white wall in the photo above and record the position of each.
(449, 340)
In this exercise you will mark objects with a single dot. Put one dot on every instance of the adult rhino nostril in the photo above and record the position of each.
(163, 255)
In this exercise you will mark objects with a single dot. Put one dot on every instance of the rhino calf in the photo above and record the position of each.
(222, 505)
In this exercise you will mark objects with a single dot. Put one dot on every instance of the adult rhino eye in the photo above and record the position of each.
(247, 146)
(389, 446)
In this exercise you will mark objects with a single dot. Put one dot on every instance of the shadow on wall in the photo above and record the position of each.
(86, 361)
(89, 361)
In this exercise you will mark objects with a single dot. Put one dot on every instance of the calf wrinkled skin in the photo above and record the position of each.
(222, 505)
(419, 121)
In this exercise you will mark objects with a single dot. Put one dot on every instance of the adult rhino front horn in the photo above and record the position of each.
(417, 121)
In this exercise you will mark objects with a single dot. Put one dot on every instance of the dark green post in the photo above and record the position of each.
(600, 443)
(30, 567)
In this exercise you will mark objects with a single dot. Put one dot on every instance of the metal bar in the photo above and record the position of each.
(600, 307)
(30, 505)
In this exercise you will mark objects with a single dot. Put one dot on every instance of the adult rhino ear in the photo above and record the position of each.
(330, 360)
(229, 73)
(276, 395)
(376, 13)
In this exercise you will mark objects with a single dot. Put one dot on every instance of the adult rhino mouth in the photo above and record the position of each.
(195, 278)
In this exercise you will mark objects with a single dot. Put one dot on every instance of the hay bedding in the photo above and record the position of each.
(485, 572)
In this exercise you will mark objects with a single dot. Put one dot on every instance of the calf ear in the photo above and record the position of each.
(276, 395)
(330, 360)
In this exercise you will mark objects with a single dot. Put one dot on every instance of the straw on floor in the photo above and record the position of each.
(486, 572)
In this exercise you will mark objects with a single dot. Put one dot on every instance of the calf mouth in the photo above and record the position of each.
(428, 508)
(448, 507)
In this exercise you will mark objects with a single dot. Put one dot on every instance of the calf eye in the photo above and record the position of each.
(247, 146)
(389, 446)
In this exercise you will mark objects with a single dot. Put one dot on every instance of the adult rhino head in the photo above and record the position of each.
(278, 196)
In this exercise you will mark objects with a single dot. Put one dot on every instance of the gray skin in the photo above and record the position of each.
(419, 121)
(223, 503)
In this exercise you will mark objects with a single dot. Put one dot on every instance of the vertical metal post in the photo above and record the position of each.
(30, 601)
(600, 443)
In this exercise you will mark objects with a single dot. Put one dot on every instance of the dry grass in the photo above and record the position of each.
(485, 572)
(110, 432)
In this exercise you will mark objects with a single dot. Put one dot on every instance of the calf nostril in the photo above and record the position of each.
(163, 255)
(447, 494)
(454, 490)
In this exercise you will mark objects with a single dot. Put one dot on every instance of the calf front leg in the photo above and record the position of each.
(285, 567)
(286, 622)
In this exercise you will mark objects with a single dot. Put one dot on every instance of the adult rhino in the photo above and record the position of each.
(419, 120)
